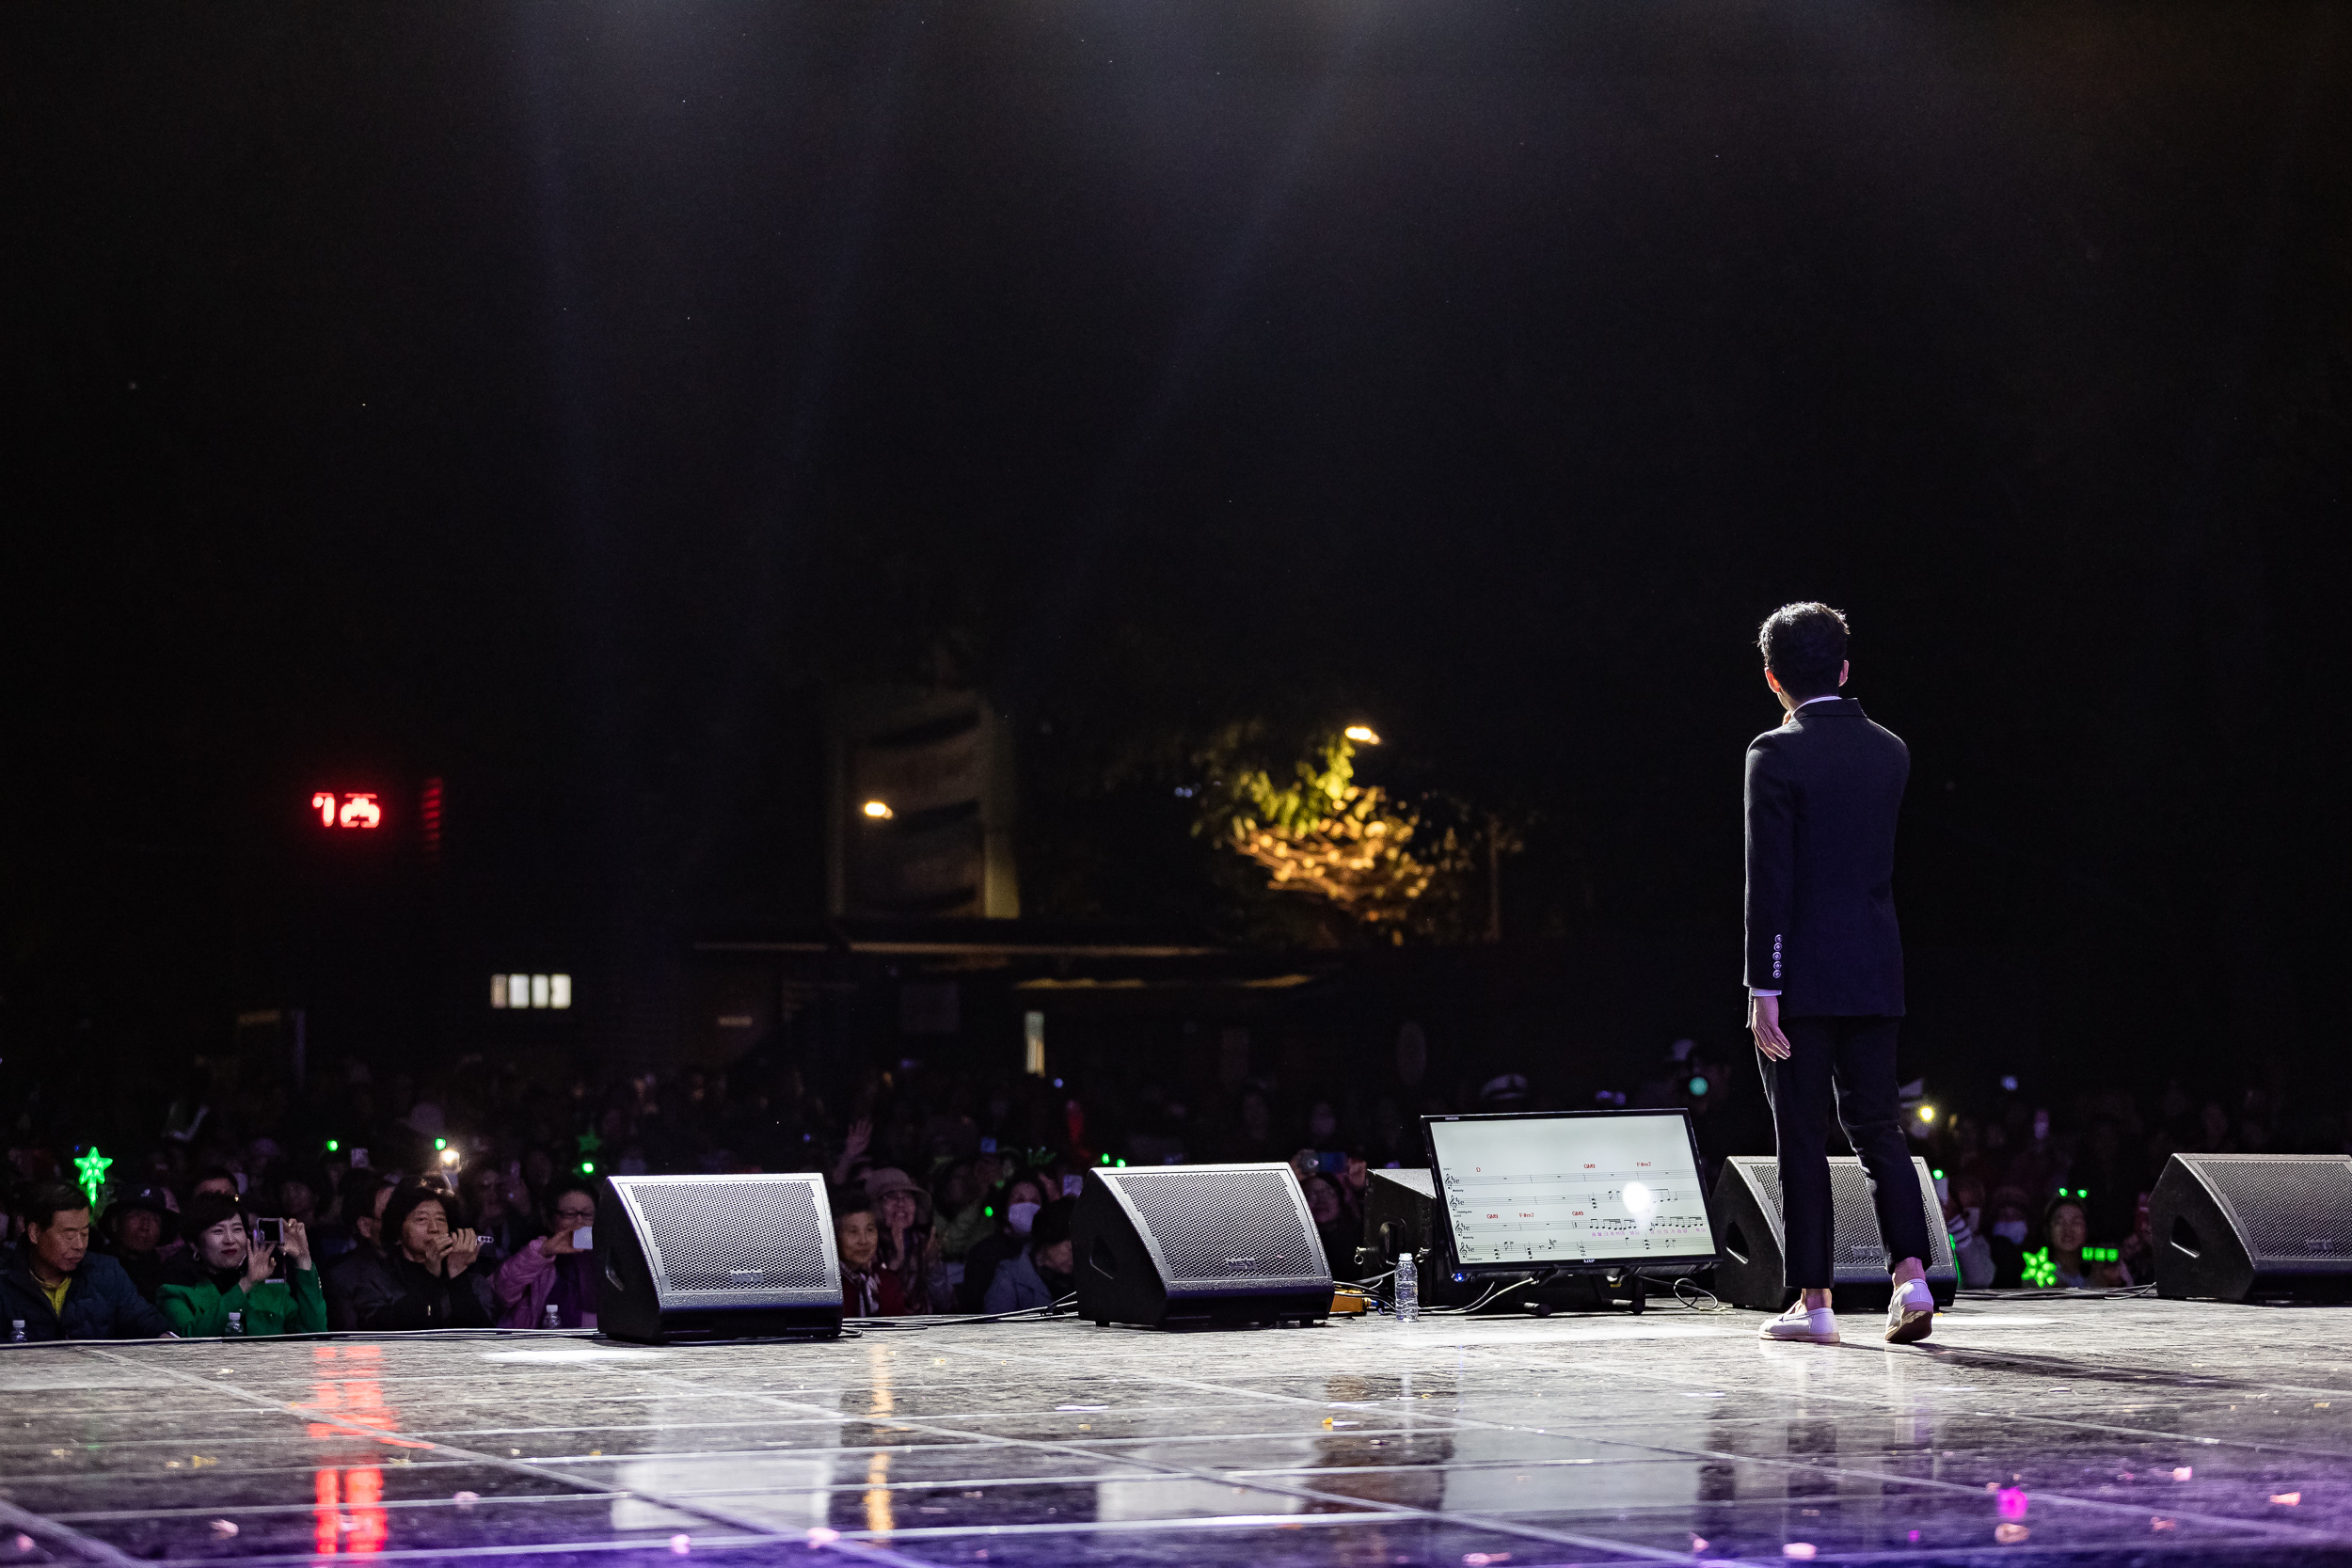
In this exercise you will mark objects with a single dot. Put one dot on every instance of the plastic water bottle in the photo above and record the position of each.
(551, 1318)
(236, 1326)
(1408, 1289)
(16, 1331)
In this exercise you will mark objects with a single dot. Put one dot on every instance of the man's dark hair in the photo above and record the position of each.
(1804, 646)
(1052, 1224)
(44, 1201)
(409, 1198)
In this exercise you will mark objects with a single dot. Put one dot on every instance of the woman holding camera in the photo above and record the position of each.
(230, 1273)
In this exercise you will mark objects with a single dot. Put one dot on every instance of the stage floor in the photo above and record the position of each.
(2121, 1430)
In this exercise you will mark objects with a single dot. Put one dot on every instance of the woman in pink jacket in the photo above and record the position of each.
(556, 1272)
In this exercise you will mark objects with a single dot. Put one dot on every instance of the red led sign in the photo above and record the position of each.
(353, 809)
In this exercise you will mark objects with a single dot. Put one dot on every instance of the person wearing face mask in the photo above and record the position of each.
(1016, 1206)
(228, 1270)
(1041, 1272)
(2004, 1239)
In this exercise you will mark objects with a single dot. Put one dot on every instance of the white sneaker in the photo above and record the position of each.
(1911, 1316)
(1816, 1327)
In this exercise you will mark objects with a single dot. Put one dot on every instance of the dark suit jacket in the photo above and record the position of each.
(1824, 792)
(100, 1304)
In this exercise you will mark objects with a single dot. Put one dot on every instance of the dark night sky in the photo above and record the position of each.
(550, 397)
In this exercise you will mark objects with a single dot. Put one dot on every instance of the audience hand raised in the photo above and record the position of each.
(298, 1244)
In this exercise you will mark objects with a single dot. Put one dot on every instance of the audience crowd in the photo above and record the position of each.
(462, 1202)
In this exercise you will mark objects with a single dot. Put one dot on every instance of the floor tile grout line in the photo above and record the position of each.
(1363, 1507)
(908, 1487)
(2011, 1376)
(2272, 1529)
(2144, 1434)
(869, 1553)
(1311, 1494)
(2267, 1527)
(24, 1521)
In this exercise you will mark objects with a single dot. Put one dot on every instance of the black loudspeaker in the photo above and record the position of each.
(1170, 1246)
(1400, 1215)
(1749, 1233)
(2253, 1227)
(704, 1257)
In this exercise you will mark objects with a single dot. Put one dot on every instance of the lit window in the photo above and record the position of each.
(530, 991)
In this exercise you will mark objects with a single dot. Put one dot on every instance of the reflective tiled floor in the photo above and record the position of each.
(2055, 1430)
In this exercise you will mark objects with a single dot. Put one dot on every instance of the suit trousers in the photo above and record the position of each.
(1856, 1057)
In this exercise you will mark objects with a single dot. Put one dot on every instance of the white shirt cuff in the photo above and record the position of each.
(1752, 991)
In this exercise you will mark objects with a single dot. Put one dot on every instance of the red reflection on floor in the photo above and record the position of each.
(350, 1517)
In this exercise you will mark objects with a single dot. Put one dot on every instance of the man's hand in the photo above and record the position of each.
(464, 1247)
(298, 1244)
(1764, 1023)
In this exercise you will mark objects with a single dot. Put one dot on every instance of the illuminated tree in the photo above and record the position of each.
(1322, 834)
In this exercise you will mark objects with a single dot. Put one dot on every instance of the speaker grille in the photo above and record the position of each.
(2288, 1211)
(732, 1237)
(1224, 1227)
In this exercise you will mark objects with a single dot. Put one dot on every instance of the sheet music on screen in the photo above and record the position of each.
(1570, 1189)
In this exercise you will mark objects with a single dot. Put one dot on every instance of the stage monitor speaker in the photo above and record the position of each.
(1750, 1236)
(2253, 1227)
(1400, 1215)
(705, 1258)
(1170, 1246)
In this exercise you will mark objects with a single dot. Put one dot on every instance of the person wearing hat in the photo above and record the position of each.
(138, 1228)
(910, 1246)
(228, 1270)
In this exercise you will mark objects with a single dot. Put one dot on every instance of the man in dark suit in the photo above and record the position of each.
(1825, 965)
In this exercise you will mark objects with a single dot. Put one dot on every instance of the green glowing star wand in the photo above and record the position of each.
(93, 1167)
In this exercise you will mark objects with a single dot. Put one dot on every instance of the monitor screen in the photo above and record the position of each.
(1579, 1187)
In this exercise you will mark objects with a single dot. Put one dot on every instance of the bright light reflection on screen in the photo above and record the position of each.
(1570, 1189)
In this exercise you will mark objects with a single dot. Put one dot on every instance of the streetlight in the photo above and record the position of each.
(1363, 735)
(877, 810)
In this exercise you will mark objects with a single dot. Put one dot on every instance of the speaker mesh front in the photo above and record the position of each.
(1224, 1227)
(2289, 1211)
(734, 1236)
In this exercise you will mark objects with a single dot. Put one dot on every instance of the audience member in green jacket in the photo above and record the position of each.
(228, 1270)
